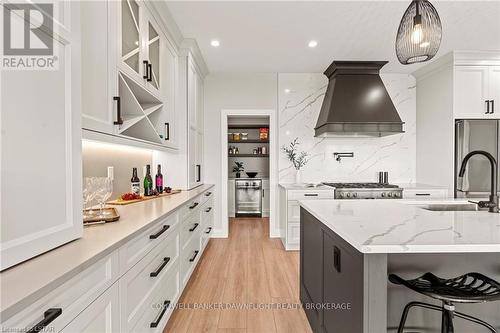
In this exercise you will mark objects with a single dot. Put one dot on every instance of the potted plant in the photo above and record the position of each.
(298, 159)
(238, 168)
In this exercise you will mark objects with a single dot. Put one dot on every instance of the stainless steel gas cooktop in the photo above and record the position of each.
(366, 191)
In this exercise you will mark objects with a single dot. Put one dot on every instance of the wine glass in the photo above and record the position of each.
(104, 191)
(89, 191)
(107, 191)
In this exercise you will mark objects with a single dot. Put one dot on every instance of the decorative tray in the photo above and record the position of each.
(121, 202)
(98, 219)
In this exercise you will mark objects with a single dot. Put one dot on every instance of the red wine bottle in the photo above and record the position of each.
(135, 182)
(159, 180)
(148, 182)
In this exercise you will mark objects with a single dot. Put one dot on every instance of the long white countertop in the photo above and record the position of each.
(400, 226)
(23, 284)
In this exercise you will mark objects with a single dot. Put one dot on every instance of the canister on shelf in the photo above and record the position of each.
(244, 136)
(237, 136)
(230, 136)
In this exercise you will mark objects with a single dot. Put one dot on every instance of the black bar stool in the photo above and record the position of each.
(468, 288)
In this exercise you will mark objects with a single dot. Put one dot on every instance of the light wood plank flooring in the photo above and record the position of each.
(250, 272)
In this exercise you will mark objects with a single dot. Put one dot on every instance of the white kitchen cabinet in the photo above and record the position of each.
(290, 212)
(41, 146)
(231, 204)
(495, 91)
(99, 72)
(194, 123)
(472, 92)
(102, 316)
(129, 73)
(265, 197)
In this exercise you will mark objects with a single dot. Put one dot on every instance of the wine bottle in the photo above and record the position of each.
(148, 182)
(159, 180)
(135, 182)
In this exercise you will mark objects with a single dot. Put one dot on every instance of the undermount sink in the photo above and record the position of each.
(450, 207)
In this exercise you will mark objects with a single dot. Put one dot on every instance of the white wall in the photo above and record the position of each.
(230, 91)
(298, 112)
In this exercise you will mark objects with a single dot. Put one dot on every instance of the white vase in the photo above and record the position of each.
(298, 177)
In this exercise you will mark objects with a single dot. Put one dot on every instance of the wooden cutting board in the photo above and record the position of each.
(121, 202)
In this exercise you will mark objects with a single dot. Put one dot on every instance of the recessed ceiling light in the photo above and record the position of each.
(215, 43)
(312, 44)
(287, 91)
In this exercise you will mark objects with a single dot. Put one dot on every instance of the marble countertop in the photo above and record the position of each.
(420, 186)
(402, 226)
(23, 284)
(292, 186)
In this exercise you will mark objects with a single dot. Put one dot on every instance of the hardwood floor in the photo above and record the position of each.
(246, 283)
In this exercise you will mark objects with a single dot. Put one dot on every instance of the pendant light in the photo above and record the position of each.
(419, 33)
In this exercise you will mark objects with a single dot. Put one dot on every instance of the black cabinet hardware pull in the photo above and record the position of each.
(193, 206)
(150, 73)
(422, 194)
(159, 269)
(492, 106)
(48, 317)
(311, 194)
(336, 258)
(194, 227)
(155, 323)
(208, 230)
(208, 209)
(158, 234)
(167, 131)
(263, 193)
(487, 107)
(119, 119)
(208, 194)
(198, 167)
(194, 257)
(145, 75)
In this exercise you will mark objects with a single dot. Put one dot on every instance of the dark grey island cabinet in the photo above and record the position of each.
(331, 279)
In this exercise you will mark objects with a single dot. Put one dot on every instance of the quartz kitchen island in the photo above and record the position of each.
(348, 248)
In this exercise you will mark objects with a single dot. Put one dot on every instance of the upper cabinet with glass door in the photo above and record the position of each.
(153, 46)
(140, 45)
(130, 45)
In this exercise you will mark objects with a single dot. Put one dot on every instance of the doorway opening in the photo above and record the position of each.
(249, 167)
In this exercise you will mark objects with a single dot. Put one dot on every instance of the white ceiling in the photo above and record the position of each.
(264, 36)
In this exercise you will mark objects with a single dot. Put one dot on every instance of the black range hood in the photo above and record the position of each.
(356, 102)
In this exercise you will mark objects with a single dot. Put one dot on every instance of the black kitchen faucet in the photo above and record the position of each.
(492, 204)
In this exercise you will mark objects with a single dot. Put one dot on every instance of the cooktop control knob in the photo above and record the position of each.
(390, 195)
(382, 195)
(341, 195)
(355, 195)
(348, 195)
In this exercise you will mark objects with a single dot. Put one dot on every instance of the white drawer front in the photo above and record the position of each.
(191, 207)
(207, 212)
(139, 282)
(189, 258)
(310, 194)
(423, 194)
(137, 248)
(190, 229)
(208, 195)
(71, 297)
(168, 290)
(293, 211)
(293, 233)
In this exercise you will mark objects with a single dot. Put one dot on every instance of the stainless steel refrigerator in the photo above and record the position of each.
(470, 135)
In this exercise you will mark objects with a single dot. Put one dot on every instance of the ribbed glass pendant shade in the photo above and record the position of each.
(419, 33)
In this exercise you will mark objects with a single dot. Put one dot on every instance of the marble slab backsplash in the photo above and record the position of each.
(299, 102)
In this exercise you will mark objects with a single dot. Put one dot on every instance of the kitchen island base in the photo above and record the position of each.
(345, 290)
